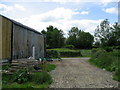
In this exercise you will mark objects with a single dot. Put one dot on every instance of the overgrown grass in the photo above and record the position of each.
(50, 67)
(25, 79)
(86, 52)
(109, 61)
(25, 85)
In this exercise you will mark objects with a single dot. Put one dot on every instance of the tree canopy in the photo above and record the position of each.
(107, 35)
(54, 37)
(79, 38)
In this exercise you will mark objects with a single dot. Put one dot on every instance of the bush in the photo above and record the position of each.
(64, 52)
(50, 67)
(21, 76)
(117, 75)
(41, 78)
(70, 53)
(108, 49)
(70, 46)
(117, 47)
(107, 60)
(53, 54)
(6, 67)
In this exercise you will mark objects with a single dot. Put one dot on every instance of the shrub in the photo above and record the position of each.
(53, 54)
(21, 76)
(108, 49)
(70, 53)
(50, 67)
(64, 52)
(6, 67)
(70, 46)
(41, 78)
(107, 60)
(117, 47)
(117, 74)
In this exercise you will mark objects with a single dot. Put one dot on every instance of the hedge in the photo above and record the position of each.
(63, 53)
(53, 54)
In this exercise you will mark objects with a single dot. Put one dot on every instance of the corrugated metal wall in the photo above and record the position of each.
(23, 41)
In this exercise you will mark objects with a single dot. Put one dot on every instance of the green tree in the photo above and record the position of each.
(73, 34)
(54, 37)
(79, 38)
(116, 34)
(103, 32)
(85, 40)
(106, 35)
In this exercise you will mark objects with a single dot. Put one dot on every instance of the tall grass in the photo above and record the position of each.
(109, 61)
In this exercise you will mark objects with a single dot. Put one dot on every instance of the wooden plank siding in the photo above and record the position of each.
(24, 40)
(6, 38)
(17, 40)
(0, 37)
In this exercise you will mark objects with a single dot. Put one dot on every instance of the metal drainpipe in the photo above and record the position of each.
(33, 52)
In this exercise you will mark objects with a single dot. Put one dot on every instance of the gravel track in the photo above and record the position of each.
(78, 73)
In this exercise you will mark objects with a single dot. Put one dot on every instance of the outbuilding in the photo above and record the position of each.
(18, 41)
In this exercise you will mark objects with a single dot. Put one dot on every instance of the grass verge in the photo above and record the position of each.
(109, 61)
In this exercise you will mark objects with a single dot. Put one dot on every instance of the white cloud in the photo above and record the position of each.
(84, 12)
(61, 18)
(112, 10)
(64, 1)
(19, 7)
(106, 2)
(5, 8)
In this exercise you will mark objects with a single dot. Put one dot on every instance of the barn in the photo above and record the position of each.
(17, 40)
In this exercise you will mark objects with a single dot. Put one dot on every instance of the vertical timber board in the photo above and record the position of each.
(42, 45)
(6, 38)
(20, 42)
(9, 33)
(23, 41)
(0, 37)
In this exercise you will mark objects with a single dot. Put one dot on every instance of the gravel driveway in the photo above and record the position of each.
(78, 73)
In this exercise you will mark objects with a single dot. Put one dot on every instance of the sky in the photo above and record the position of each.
(63, 14)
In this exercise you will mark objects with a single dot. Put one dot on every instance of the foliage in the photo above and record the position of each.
(30, 85)
(54, 37)
(41, 78)
(108, 49)
(21, 76)
(86, 52)
(117, 74)
(64, 52)
(115, 39)
(69, 46)
(53, 54)
(24, 78)
(6, 67)
(50, 67)
(103, 32)
(107, 60)
(106, 35)
(79, 38)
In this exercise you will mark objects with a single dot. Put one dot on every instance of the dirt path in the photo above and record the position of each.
(78, 73)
